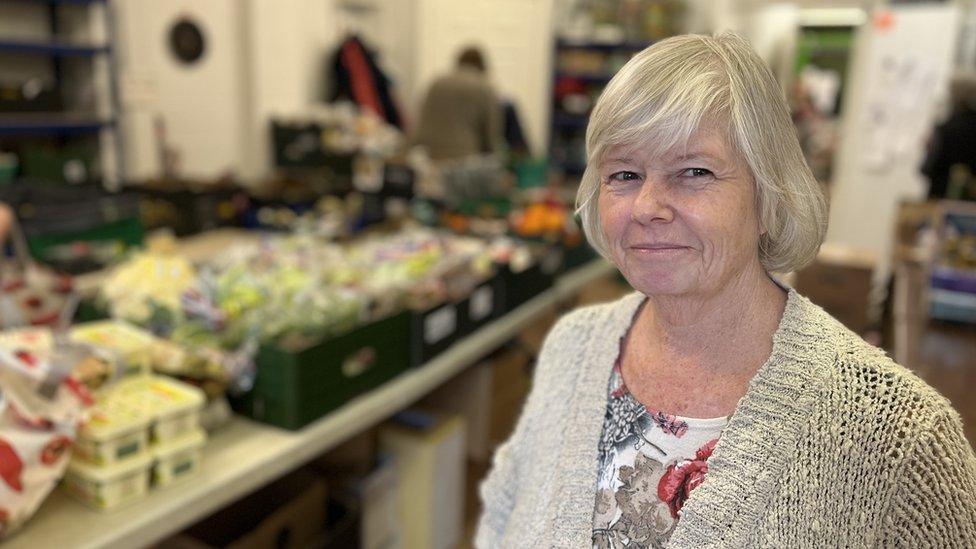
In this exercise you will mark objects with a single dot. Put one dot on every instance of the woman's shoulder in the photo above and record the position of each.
(868, 376)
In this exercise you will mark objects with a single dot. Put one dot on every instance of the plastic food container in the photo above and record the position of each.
(132, 346)
(115, 433)
(177, 459)
(109, 486)
(175, 406)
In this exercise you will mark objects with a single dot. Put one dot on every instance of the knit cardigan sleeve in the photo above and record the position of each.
(934, 504)
(499, 491)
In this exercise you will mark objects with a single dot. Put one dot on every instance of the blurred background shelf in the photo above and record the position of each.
(565, 43)
(52, 48)
(50, 123)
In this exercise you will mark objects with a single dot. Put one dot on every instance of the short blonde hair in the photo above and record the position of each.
(661, 97)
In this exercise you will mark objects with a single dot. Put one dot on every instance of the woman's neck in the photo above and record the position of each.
(729, 329)
(694, 357)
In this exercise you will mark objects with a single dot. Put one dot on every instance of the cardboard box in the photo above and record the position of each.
(840, 281)
(288, 514)
(431, 468)
(468, 395)
(362, 507)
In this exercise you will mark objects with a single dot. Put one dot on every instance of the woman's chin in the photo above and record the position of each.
(658, 283)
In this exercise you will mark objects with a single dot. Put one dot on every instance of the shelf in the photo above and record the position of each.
(71, 2)
(588, 78)
(563, 43)
(565, 120)
(246, 455)
(49, 123)
(51, 48)
(572, 168)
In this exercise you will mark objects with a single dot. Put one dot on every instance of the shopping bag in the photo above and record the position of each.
(30, 294)
(42, 404)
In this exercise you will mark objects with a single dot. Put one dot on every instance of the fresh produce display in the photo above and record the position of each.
(277, 291)
(415, 268)
(146, 284)
(540, 219)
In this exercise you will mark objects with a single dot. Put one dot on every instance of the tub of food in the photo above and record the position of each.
(109, 486)
(177, 459)
(133, 346)
(116, 431)
(175, 407)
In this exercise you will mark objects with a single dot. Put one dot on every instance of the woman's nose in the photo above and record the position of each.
(652, 202)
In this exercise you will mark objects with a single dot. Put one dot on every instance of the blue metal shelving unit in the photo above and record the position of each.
(66, 124)
(588, 78)
(51, 48)
(50, 124)
(567, 127)
(570, 121)
(68, 2)
(601, 46)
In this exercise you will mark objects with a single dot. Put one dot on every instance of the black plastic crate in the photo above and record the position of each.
(540, 276)
(486, 303)
(432, 331)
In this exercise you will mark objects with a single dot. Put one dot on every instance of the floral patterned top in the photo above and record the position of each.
(649, 462)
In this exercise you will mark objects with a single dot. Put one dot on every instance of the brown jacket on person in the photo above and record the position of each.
(461, 116)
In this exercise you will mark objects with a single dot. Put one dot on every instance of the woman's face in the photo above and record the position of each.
(681, 223)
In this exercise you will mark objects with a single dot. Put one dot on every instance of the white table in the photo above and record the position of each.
(246, 455)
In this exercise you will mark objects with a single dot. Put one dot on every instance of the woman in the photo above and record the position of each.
(715, 407)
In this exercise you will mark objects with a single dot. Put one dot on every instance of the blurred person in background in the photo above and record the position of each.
(6, 221)
(714, 406)
(461, 115)
(954, 141)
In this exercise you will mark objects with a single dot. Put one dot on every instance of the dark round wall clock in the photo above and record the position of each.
(186, 41)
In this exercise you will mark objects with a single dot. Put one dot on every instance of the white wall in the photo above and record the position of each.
(876, 166)
(772, 30)
(202, 105)
(287, 44)
(517, 38)
(263, 59)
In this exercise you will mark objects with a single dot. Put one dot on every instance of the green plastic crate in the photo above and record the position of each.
(127, 231)
(292, 389)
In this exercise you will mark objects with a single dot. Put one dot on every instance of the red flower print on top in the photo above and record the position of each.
(683, 477)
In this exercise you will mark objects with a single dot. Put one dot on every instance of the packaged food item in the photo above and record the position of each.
(132, 346)
(117, 431)
(177, 459)
(175, 407)
(33, 346)
(107, 487)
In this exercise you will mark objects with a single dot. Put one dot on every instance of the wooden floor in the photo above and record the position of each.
(947, 362)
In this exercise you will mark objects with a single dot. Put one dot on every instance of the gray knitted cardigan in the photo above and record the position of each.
(832, 445)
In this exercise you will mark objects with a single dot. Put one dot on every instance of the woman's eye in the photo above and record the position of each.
(623, 176)
(696, 172)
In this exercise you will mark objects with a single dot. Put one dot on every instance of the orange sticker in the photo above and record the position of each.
(884, 20)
